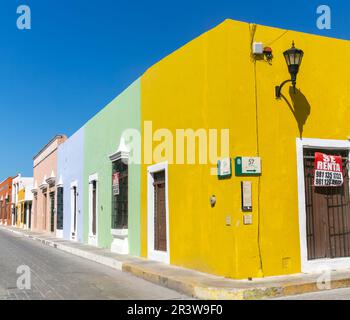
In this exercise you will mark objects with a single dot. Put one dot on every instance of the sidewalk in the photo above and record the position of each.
(189, 282)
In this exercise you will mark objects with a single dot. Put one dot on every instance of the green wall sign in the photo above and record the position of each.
(247, 166)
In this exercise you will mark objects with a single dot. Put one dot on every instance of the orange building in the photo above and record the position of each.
(6, 201)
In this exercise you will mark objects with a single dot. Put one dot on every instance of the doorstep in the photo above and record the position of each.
(192, 283)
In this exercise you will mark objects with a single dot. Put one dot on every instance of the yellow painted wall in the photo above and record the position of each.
(20, 207)
(211, 83)
(21, 195)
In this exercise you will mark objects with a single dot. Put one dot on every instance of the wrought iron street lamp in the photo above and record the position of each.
(293, 58)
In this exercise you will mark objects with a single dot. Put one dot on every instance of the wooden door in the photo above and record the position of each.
(327, 212)
(45, 212)
(23, 221)
(52, 212)
(59, 199)
(94, 204)
(25, 208)
(160, 223)
(30, 216)
(74, 211)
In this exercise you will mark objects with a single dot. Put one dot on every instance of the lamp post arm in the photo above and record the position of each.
(279, 88)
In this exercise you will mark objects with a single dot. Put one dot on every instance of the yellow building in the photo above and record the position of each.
(22, 201)
(20, 208)
(216, 82)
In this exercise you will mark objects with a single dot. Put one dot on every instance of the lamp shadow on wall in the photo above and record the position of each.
(299, 107)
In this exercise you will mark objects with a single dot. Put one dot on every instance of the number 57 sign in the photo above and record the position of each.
(248, 166)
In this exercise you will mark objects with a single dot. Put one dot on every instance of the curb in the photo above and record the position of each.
(259, 292)
(198, 291)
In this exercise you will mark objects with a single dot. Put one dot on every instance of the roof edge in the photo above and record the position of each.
(57, 136)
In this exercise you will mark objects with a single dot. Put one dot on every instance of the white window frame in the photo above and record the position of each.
(310, 266)
(73, 185)
(93, 239)
(152, 253)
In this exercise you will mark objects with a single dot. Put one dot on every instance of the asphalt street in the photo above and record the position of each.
(56, 275)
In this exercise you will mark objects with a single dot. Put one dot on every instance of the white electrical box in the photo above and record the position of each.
(258, 48)
(247, 201)
(248, 219)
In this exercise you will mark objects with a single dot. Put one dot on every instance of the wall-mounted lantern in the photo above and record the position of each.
(293, 58)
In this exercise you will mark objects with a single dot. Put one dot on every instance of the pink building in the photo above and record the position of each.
(44, 213)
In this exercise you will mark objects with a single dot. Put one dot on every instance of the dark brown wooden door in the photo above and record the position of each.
(30, 215)
(160, 223)
(44, 211)
(327, 212)
(52, 212)
(74, 212)
(94, 208)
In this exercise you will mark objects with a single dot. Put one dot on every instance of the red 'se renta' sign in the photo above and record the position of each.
(328, 170)
(115, 182)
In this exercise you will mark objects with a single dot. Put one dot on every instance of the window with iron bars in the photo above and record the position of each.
(120, 196)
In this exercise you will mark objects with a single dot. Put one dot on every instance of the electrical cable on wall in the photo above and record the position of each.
(252, 34)
(258, 154)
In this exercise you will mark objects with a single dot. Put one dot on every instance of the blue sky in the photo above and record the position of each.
(79, 55)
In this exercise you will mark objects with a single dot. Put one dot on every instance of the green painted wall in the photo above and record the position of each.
(102, 138)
